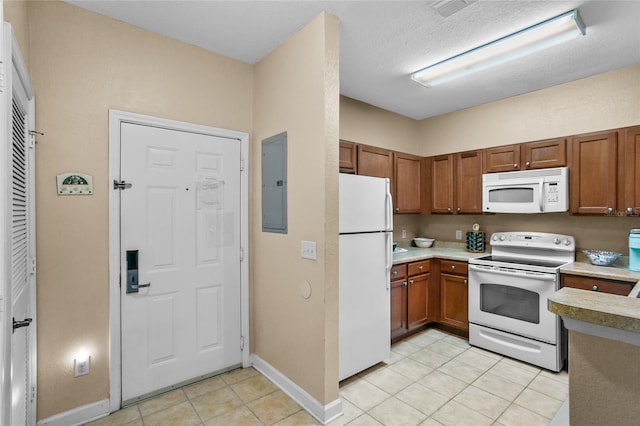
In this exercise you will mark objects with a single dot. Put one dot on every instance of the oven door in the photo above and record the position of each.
(513, 300)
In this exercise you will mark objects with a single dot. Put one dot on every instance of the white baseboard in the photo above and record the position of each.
(323, 413)
(78, 415)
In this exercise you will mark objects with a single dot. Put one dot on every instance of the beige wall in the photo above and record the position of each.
(604, 101)
(82, 65)
(604, 376)
(296, 90)
(364, 123)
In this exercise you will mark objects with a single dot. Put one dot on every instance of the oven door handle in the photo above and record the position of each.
(544, 277)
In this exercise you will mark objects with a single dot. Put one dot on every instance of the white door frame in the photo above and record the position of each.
(115, 119)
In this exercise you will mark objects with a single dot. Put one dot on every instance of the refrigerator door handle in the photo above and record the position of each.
(389, 256)
(388, 215)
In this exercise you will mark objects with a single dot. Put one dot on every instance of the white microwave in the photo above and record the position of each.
(529, 191)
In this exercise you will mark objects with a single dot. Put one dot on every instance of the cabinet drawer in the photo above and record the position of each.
(622, 288)
(398, 272)
(417, 268)
(453, 267)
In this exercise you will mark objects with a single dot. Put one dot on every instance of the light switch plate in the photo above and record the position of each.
(308, 249)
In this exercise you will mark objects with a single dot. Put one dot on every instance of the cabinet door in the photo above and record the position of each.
(454, 301)
(632, 172)
(408, 182)
(593, 173)
(442, 184)
(502, 159)
(348, 157)
(417, 300)
(375, 162)
(468, 182)
(545, 154)
(398, 308)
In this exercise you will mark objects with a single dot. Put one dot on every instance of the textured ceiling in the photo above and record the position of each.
(383, 42)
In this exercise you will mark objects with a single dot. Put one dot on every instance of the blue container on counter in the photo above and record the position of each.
(634, 250)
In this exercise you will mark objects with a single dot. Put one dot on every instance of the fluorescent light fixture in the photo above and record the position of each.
(521, 43)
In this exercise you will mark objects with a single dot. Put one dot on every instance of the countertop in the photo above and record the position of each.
(451, 253)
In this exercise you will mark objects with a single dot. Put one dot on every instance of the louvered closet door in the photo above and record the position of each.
(21, 289)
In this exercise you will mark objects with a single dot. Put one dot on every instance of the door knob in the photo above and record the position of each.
(19, 324)
(132, 273)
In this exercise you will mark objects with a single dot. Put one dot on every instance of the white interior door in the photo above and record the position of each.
(182, 216)
(18, 238)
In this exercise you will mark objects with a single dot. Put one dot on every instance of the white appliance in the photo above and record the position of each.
(366, 225)
(508, 293)
(529, 191)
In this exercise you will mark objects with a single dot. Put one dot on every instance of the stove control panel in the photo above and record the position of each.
(541, 240)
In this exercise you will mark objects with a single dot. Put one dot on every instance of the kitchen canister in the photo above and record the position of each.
(476, 240)
(634, 250)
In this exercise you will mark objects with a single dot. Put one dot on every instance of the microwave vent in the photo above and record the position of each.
(530, 174)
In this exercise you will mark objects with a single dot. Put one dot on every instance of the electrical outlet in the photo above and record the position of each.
(308, 250)
(404, 233)
(458, 234)
(81, 366)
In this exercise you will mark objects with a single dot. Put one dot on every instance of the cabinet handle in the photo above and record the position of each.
(465, 281)
(515, 165)
(395, 272)
(609, 210)
(629, 211)
(453, 266)
(420, 268)
(404, 283)
(410, 281)
(397, 209)
(459, 209)
(594, 288)
(449, 209)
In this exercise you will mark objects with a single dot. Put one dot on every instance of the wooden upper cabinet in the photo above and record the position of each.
(502, 159)
(526, 156)
(377, 162)
(442, 184)
(631, 181)
(594, 172)
(408, 183)
(348, 157)
(544, 154)
(468, 182)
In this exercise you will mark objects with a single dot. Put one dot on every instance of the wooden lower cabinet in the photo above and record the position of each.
(417, 300)
(409, 297)
(622, 288)
(399, 300)
(428, 291)
(454, 299)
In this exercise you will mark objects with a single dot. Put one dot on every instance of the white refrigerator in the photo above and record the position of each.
(366, 233)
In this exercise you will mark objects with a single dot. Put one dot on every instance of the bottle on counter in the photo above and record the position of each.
(634, 250)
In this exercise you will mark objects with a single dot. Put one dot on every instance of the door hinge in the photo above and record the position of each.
(32, 266)
(241, 163)
(32, 140)
(241, 343)
(241, 254)
(33, 393)
(120, 184)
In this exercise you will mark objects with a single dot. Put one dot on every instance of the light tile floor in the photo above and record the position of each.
(433, 378)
